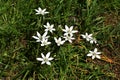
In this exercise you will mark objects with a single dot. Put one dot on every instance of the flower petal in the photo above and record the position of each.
(43, 62)
(50, 58)
(55, 39)
(70, 41)
(66, 27)
(71, 28)
(38, 34)
(45, 34)
(38, 40)
(39, 59)
(35, 37)
(93, 57)
(97, 56)
(90, 54)
(42, 55)
(83, 36)
(95, 50)
(74, 31)
(48, 63)
(47, 55)
(98, 52)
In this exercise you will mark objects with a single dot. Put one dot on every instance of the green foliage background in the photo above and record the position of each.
(18, 50)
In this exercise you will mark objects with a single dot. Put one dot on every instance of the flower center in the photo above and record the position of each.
(94, 54)
(46, 59)
(69, 31)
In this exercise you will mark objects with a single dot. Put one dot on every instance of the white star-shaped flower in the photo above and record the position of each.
(39, 37)
(68, 38)
(45, 59)
(59, 41)
(69, 31)
(94, 54)
(87, 36)
(45, 42)
(40, 11)
(49, 27)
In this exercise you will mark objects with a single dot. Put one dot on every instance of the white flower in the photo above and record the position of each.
(45, 42)
(87, 37)
(40, 11)
(68, 38)
(94, 54)
(45, 59)
(69, 31)
(49, 27)
(39, 37)
(59, 41)
(93, 40)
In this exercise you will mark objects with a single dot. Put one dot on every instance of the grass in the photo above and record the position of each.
(18, 50)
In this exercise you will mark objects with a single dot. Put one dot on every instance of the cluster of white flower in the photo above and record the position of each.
(92, 40)
(89, 37)
(68, 36)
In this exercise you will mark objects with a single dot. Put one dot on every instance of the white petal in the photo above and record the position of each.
(38, 34)
(48, 24)
(62, 42)
(38, 40)
(90, 51)
(86, 34)
(88, 39)
(93, 57)
(70, 41)
(98, 52)
(52, 26)
(35, 37)
(90, 35)
(95, 50)
(48, 43)
(59, 39)
(48, 63)
(90, 54)
(39, 9)
(58, 44)
(43, 62)
(42, 45)
(65, 33)
(97, 56)
(46, 30)
(83, 36)
(46, 12)
(45, 26)
(47, 55)
(91, 41)
(74, 31)
(50, 58)
(72, 38)
(64, 30)
(44, 35)
(42, 55)
(71, 28)
(36, 10)
(39, 59)
(55, 39)
(66, 27)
